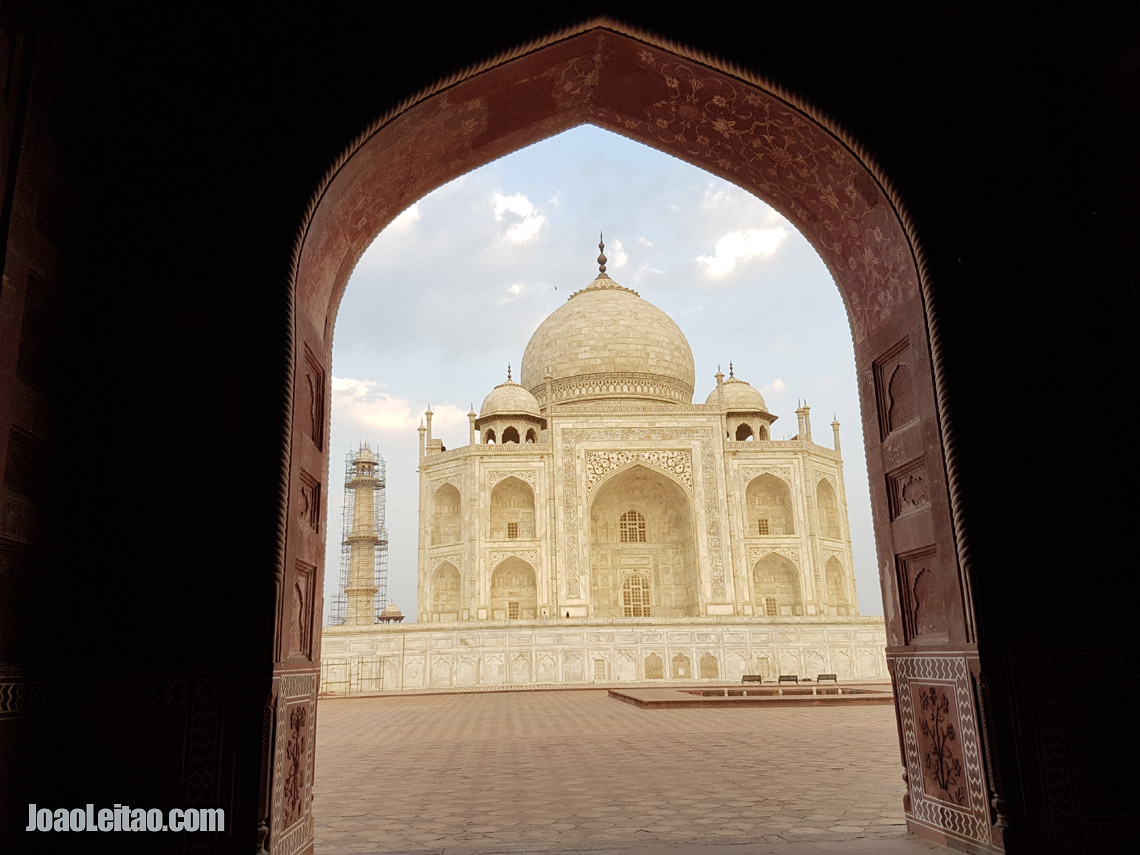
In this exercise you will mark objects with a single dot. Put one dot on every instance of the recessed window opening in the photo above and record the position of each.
(635, 596)
(632, 527)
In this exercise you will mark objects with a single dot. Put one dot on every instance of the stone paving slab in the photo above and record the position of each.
(578, 772)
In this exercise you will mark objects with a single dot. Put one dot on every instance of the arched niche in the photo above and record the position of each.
(511, 434)
(514, 595)
(531, 436)
(769, 507)
(642, 524)
(446, 515)
(744, 432)
(512, 510)
(446, 592)
(827, 510)
(837, 596)
(776, 587)
(489, 437)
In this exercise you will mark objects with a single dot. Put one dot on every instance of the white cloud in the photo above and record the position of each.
(405, 221)
(362, 402)
(525, 221)
(617, 256)
(514, 291)
(715, 198)
(740, 246)
(645, 270)
(777, 386)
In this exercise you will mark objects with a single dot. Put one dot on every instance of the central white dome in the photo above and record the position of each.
(606, 343)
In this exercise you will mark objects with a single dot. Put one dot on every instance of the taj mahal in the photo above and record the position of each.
(601, 527)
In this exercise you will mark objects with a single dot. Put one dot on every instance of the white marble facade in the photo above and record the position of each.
(578, 651)
(598, 519)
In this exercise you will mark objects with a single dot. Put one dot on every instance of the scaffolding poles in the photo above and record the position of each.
(363, 589)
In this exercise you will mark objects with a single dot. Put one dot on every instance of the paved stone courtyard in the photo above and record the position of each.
(576, 771)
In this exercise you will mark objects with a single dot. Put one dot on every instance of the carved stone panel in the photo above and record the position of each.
(908, 490)
(494, 476)
(920, 587)
(313, 399)
(309, 502)
(301, 611)
(676, 462)
(895, 396)
(941, 745)
(292, 818)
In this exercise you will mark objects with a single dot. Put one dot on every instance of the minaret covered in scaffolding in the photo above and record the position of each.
(364, 546)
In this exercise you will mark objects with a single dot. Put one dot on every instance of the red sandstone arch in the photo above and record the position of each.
(747, 131)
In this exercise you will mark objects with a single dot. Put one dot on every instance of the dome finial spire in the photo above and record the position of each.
(601, 253)
(730, 374)
(508, 372)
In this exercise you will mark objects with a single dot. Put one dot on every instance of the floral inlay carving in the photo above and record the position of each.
(941, 744)
(453, 558)
(792, 553)
(530, 556)
(784, 473)
(497, 475)
(295, 757)
(941, 757)
(675, 462)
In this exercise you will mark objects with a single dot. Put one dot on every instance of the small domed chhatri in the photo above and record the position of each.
(509, 398)
(746, 414)
(595, 493)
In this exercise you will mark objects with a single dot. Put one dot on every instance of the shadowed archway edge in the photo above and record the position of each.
(302, 298)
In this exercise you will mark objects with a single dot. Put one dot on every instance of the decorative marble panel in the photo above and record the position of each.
(497, 475)
(755, 553)
(530, 556)
(676, 462)
(784, 473)
(453, 558)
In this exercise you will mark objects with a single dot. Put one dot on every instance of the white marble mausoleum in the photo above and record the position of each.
(599, 526)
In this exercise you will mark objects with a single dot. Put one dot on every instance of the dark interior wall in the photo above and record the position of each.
(169, 155)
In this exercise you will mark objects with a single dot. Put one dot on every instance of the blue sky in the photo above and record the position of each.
(448, 295)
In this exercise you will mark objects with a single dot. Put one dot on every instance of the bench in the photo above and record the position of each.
(789, 678)
(752, 678)
(832, 677)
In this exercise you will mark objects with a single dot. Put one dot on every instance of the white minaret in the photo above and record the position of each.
(363, 536)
